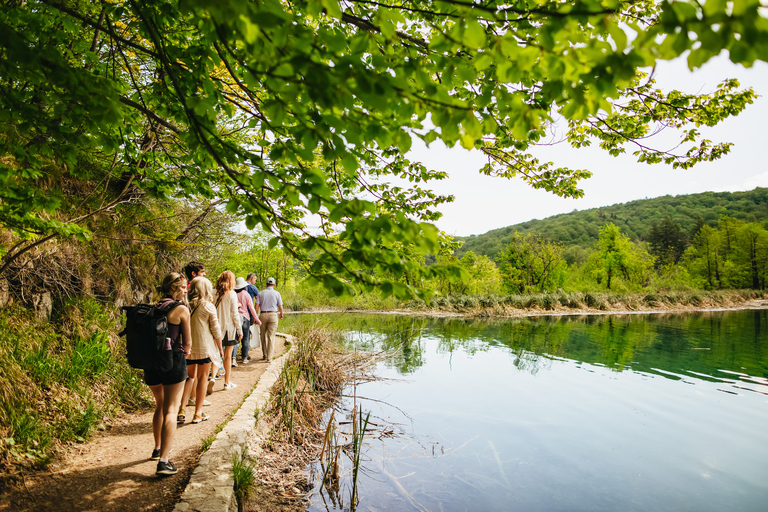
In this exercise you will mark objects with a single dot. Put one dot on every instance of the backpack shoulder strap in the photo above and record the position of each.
(168, 305)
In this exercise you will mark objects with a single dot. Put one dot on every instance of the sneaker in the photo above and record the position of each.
(200, 417)
(166, 468)
(155, 454)
(191, 402)
(246, 360)
(211, 383)
(231, 385)
(234, 364)
(180, 418)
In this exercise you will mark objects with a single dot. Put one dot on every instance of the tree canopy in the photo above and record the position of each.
(292, 111)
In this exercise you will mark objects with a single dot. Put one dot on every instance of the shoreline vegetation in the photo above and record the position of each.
(548, 304)
(298, 428)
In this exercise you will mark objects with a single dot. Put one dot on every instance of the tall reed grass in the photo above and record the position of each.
(359, 426)
(308, 373)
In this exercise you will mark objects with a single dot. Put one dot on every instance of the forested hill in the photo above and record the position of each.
(580, 228)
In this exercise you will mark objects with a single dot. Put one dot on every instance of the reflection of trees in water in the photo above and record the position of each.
(530, 361)
(702, 342)
(405, 343)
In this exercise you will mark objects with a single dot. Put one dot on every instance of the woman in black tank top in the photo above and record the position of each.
(167, 387)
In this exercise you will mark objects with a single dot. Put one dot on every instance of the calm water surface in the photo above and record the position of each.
(599, 413)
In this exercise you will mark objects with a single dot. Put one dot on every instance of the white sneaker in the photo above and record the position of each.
(191, 402)
(231, 385)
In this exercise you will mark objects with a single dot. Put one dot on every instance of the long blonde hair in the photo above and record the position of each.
(171, 285)
(200, 292)
(224, 283)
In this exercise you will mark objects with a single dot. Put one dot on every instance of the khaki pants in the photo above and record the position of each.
(268, 330)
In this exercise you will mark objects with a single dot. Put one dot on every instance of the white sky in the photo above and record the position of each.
(483, 203)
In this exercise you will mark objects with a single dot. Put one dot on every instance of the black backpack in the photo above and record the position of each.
(146, 336)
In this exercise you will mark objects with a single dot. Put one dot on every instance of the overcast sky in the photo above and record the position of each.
(483, 203)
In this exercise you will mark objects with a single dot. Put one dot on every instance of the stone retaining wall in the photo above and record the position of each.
(211, 486)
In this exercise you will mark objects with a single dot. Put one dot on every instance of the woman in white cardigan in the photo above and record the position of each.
(229, 318)
(206, 344)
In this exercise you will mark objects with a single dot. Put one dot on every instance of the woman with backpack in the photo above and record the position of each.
(206, 344)
(167, 387)
(231, 325)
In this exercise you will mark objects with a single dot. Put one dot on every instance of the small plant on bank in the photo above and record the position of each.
(207, 442)
(244, 475)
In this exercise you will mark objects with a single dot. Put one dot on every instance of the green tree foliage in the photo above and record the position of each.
(666, 242)
(479, 276)
(618, 257)
(254, 254)
(288, 108)
(484, 276)
(530, 264)
(704, 258)
(635, 219)
(734, 255)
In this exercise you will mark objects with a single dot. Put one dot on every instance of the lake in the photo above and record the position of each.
(595, 413)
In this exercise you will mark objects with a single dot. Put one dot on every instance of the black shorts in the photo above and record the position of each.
(227, 342)
(190, 362)
(178, 373)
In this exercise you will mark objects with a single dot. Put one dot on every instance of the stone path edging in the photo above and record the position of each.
(211, 486)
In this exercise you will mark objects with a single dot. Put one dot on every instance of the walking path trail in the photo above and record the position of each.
(112, 472)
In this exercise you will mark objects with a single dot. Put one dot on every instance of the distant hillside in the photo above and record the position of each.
(580, 228)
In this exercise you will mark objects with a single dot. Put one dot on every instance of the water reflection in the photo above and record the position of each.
(705, 344)
(621, 412)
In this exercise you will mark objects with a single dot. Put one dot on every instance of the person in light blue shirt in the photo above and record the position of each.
(271, 310)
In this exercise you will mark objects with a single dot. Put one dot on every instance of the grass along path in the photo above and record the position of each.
(113, 471)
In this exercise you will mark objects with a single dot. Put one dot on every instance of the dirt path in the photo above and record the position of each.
(113, 471)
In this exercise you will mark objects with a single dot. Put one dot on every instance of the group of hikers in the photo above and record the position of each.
(205, 327)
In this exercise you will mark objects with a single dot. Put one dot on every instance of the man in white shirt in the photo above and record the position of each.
(271, 310)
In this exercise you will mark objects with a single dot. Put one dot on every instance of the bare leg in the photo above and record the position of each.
(202, 369)
(157, 418)
(188, 386)
(171, 398)
(227, 363)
